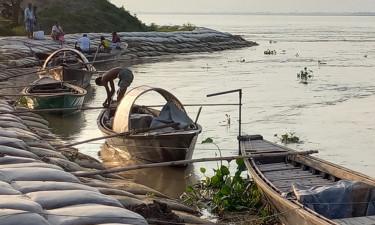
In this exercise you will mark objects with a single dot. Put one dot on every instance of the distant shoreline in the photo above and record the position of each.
(265, 13)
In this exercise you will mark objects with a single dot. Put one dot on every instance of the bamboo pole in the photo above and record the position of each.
(135, 131)
(184, 162)
(94, 108)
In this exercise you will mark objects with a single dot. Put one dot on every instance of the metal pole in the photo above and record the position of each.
(239, 120)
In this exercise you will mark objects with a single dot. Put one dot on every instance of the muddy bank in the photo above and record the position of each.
(36, 184)
(15, 52)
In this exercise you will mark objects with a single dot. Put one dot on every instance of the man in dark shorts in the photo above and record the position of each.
(125, 79)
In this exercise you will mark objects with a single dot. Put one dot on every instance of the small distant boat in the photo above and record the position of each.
(48, 93)
(100, 57)
(307, 190)
(146, 142)
(68, 65)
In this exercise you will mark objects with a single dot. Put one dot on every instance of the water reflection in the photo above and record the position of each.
(167, 180)
(65, 126)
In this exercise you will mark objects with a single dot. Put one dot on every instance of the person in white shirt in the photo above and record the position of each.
(57, 31)
(29, 20)
(84, 44)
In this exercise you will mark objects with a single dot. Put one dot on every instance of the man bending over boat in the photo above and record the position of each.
(125, 77)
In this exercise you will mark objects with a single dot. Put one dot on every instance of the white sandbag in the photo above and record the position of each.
(94, 214)
(19, 202)
(13, 142)
(31, 165)
(14, 159)
(39, 35)
(7, 189)
(21, 133)
(64, 198)
(42, 152)
(20, 217)
(32, 186)
(13, 124)
(41, 174)
(17, 152)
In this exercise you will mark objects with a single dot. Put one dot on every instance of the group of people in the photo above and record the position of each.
(124, 75)
(30, 19)
(83, 43)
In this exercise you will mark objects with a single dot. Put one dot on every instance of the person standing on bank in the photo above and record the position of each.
(125, 77)
(29, 20)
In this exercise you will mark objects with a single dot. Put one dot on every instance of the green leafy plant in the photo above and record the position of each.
(223, 191)
(270, 52)
(22, 101)
(304, 75)
(288, 138)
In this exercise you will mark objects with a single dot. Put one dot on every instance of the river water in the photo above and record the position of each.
(334, 113)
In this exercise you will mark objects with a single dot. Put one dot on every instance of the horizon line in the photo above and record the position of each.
(263, 13)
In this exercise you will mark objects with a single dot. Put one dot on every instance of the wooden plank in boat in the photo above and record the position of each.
(275, 166)
(282, 169)
(295, 171)
(307, 183)
(273, 179)
(365, 220)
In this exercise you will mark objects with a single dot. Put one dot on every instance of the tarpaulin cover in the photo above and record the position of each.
(171, 114)
(342, 199)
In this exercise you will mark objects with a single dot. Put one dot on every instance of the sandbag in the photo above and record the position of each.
(41, 174)
(13, 124)
(31, 165)
(113, 191)
(30, 123)
(20, 217)
(17, 152)
(128, 202)
(13, 142)
(7, 189)
(14, 159)
(64, 198)
(42, 152)
(19, 202)
(32, 186)
(94, 214)
(21, 133)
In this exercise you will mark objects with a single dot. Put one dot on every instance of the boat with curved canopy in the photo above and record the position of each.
(68, 65)
(145, 140)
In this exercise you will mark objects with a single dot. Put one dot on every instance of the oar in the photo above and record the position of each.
(135, 131)
(184, 162)
(97, 50)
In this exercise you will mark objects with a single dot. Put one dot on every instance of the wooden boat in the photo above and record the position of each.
(159, 145)
(48, 93)
(68, 65)
(306, 190)
(100, 57)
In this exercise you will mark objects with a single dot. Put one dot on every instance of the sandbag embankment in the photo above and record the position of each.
(36, 186)
(15, 52)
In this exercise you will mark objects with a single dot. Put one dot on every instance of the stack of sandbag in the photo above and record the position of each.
(35, 192)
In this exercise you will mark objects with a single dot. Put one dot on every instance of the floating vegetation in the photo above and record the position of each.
(22, 101)
(270, 52)
(271, 41)
(227, 121)
(288, 138)
(365, 56)
(297, 55)
(304, 75)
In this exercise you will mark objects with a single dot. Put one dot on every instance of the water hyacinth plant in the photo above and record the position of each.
(304, 75)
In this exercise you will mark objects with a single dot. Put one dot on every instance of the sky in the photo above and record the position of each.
(134, 6)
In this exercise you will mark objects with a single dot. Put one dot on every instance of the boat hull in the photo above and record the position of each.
(80, 78)
(66, 101)
(152, 146)
(275, 176)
